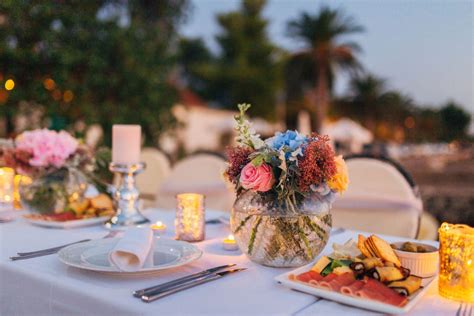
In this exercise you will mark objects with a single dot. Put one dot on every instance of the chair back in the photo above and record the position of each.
(157, 170)
(200, 173)
(381, 198)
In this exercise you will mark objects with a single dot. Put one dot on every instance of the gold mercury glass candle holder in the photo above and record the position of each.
(6, 187)
(456, 257)
(190, 222)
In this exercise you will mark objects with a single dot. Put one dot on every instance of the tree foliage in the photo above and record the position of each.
(454, 121)
(246, 68)
(102, 61)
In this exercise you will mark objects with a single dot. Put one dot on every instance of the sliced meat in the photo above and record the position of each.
(324, 282)
(375, 290)
(352, 288)
(337, 281)
(309, 276)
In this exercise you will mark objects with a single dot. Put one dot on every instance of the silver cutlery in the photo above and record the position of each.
(50, 251)
(465, 309)
(57, 248)
(167, 285)
(201, 280)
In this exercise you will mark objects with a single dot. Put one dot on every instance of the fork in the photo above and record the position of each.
(50, 251)
(465, 309)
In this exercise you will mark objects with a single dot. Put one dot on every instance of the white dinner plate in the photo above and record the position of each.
(352, 301)
(68, 224)
(93, 255)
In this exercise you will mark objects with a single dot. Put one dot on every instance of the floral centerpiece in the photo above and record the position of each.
(285, 186)
(58, 170)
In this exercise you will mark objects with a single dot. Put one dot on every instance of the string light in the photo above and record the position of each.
(9, 84)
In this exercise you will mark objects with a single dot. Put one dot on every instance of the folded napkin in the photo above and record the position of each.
(134, 251)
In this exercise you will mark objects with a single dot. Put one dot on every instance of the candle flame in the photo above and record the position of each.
(231, 237)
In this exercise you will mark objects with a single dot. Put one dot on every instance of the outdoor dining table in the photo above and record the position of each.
(44, 285)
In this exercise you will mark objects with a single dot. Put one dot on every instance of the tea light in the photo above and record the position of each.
(189, 222)
(229, 243)
(126, 143)
(158, 228)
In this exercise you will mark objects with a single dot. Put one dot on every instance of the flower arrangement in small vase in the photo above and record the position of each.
(285, 187)
(60, 167)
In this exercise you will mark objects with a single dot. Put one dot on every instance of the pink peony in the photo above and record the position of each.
(257, 178)
(47, 148)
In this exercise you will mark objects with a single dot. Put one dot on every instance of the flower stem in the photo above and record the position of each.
(305, 240)
(253, 235)
(242, 223)
(321, 234)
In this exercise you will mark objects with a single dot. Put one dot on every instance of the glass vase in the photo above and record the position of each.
(52, 192)
(281, 234)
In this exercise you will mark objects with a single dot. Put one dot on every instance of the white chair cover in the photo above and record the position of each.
(157, 170)
(379, 200)
(201, 173)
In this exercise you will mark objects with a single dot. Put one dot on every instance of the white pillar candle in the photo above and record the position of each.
(126, 143)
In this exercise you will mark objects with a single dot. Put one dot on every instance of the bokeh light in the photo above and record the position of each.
(9, 84)
(57, 94)
(49, 84)
(68, 96)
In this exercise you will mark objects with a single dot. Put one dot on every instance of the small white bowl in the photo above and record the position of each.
(422, 264)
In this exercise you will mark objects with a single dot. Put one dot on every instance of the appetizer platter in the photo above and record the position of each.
(89, 211)
(366, 274)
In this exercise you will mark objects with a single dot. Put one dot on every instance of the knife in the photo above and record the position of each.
(153, 296)
(167, 285)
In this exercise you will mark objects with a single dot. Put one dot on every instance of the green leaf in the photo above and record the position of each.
(257, 161)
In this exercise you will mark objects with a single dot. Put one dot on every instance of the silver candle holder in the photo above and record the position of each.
(126, 197)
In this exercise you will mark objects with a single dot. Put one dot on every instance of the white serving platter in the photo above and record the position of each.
(349, 300)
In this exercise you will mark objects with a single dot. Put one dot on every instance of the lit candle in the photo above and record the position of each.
(229, 243)
(6, 186)
(158, 228)
(126, 142)
(189, 223)
(456, 254)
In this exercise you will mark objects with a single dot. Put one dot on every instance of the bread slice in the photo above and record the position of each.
(362, 247)
(384, 250)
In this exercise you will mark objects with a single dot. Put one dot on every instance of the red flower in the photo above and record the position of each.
(317, 164)
(238, 158)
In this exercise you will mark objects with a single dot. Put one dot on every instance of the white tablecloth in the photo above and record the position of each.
(46, 286)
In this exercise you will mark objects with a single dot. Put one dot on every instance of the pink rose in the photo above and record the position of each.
(257, 178)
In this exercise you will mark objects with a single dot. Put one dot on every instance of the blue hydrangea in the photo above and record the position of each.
(288, 141)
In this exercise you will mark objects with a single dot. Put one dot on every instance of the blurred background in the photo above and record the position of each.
(392, 79)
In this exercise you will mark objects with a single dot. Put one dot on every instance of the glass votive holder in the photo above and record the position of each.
(6, 187)
(190, 221)
(456, 257)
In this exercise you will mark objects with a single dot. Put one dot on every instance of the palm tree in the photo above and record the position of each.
(370, 102)
(322, 34)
